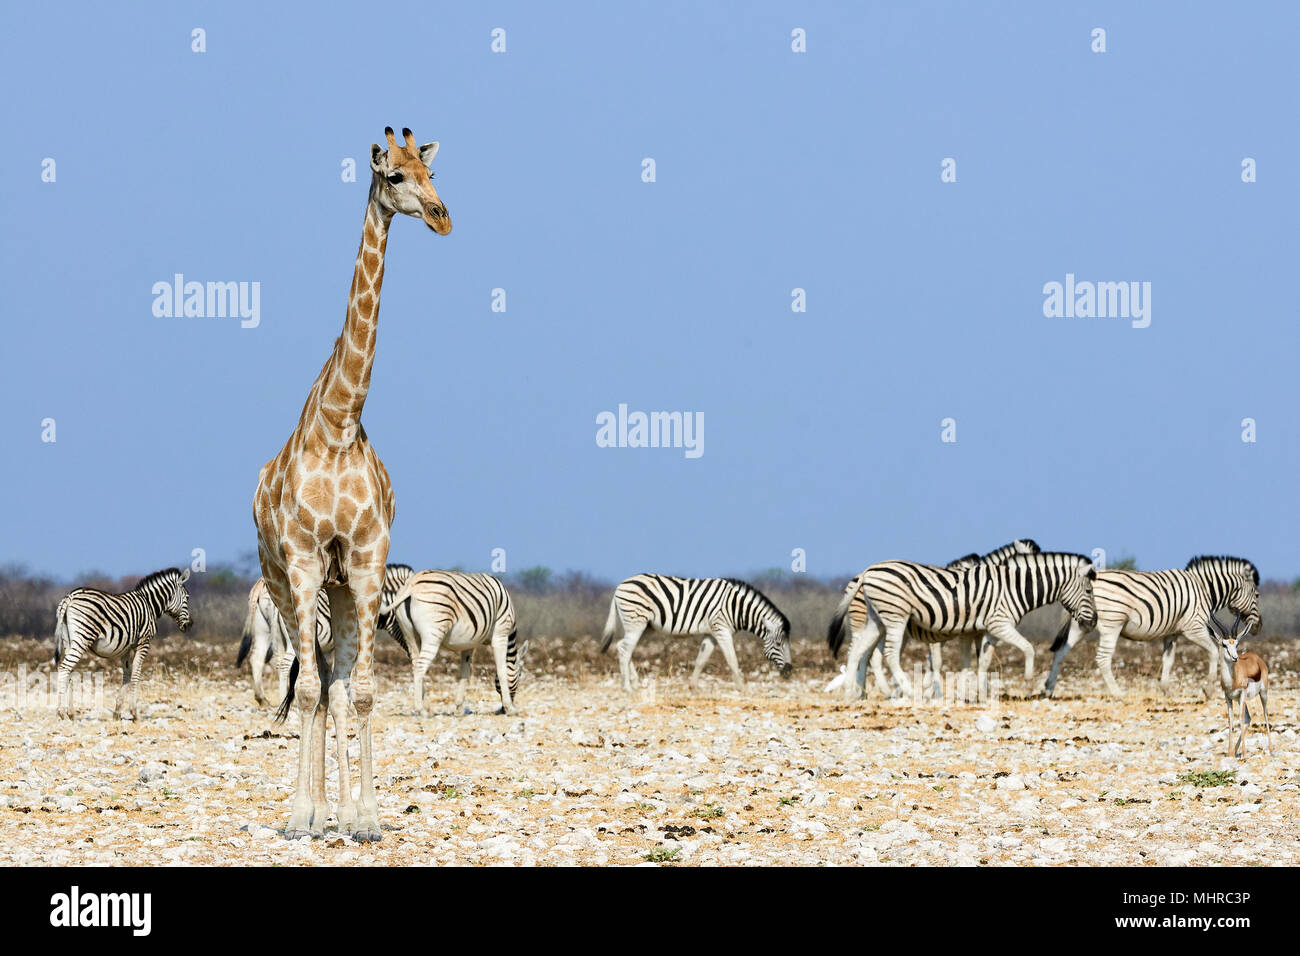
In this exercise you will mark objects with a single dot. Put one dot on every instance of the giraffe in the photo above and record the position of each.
(323, 510)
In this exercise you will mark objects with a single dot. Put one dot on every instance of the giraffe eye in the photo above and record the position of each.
(395, 178)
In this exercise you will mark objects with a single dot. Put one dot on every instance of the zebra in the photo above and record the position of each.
(714, 607)
(1151, 605)
(857, 621)
(462, 611)
(266, 639)
(942, 603)
(117, 627)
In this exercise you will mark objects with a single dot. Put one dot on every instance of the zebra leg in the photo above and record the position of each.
(501, 652)
(137, 672)
(420, 665)
(462, 681)
(1075, 632)
(261, 644)
(877, 660)
(706, 651)
(726, 643)
(1106, 641)
(862, 645)
(71, 655)
(936, 671)
(121, 691)
(1217, 663)
(895, 632)
(626, 646)
(1020, 643)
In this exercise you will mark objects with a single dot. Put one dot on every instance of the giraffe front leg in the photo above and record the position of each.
(345, 653)
(300, 605)
(362, 615)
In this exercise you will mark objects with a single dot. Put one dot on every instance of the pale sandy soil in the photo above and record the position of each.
(781, 773)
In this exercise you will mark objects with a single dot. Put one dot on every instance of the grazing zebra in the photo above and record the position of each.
(943, 603)
(1151, 605)
(857, 622)
(266, 639)
(462, 611)
(117, 627)
(714, 607)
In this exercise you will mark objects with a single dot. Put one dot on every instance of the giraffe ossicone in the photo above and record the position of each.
(324, 506)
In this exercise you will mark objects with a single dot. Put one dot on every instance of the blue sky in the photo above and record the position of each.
(774, 171)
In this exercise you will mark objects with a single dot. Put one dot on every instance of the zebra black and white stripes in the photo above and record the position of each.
(1151, 605)
(943, 603)
(117, 627)
(266, 638)
(462, 611)
(856, 621)
(714, 607)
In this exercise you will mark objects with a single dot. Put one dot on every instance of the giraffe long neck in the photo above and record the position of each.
(336, 401)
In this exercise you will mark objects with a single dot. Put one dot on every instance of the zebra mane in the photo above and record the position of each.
(401, 567)
(1022, 559)
(1225, 561)
(169, 575)
(972, 558)
(771, 605)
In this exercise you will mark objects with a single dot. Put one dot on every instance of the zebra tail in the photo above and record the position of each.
(611, 625)
(60, 631)
(395, 632)
(839, 620)
(282, 712)
(1063, 636)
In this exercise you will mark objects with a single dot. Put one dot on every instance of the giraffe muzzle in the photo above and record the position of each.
(436, 218)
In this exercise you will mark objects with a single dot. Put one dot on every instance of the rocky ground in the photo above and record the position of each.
(780, 773)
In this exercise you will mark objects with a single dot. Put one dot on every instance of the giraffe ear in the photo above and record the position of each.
(378, 158)
(427, 152)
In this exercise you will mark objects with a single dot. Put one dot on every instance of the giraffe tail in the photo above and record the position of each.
(282, 712)
(60, 631)
(611, 625)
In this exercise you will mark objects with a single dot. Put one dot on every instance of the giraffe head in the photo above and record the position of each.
(404, 183)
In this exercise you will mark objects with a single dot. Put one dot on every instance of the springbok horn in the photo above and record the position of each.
(1236, 624)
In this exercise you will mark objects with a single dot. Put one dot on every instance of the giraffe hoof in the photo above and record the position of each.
(367, 834)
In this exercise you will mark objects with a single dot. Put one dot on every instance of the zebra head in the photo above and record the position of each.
(1229, 641)
(178, 604)
(1076, 592)
(1235, 583)
(776, 643)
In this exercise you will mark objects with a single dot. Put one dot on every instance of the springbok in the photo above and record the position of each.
(1249, 680)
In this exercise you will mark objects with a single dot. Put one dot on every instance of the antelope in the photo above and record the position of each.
(1249, 680)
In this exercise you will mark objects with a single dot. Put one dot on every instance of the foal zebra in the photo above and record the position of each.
(857, 621)
(714, 607)
(1151, 605)
(462, 611)
(117, 627)
(943, 603)
(266, 639)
